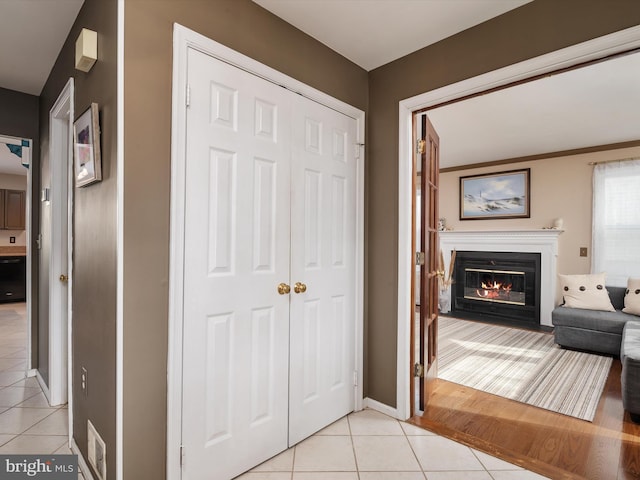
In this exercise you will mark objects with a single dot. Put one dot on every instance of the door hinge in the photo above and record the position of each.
(355, 378)
(188, 96)
(421, 147)
(357, 147)
(419, 258)
(181, 455)
(418, 370)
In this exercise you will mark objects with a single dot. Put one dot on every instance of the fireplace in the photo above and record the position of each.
(544, 242)
(497, 286)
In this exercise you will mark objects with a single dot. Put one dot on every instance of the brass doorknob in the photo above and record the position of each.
(299, 287)
(283, 289)
(64, 278)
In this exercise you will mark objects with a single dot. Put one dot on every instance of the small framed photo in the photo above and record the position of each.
(495, 195)
(86, 140)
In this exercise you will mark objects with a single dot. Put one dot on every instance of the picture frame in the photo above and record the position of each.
(86, 146)
(491, 196)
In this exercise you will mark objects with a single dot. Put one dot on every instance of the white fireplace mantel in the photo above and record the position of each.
(544, 242)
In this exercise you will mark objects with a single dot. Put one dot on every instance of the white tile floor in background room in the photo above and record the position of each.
(27, 423)
(365, 445)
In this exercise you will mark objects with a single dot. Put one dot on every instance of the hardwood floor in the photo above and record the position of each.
(551, 444)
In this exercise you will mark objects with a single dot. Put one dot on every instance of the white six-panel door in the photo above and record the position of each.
(236, 325)
(323, 204)
(270, 199)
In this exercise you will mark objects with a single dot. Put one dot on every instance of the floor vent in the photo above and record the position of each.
(97, 451)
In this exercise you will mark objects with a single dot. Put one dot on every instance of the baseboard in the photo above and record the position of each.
(43, 386)
(381, 407)
(82, 464)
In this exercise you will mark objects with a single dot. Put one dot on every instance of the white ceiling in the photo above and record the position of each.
(588, 107)
(31, 36)
(372, 33)
(10, 163)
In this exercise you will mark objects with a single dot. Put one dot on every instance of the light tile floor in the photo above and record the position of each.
(366, 445)
(27, 423)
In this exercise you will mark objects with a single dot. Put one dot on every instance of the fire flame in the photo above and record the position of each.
(493, 290)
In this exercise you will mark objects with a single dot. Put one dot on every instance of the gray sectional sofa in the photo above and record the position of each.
(630, 358)
(592, 330)
(613, 333)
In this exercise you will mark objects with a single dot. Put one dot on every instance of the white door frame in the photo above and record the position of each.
(583, 52)
(183, 39)
(61, 117)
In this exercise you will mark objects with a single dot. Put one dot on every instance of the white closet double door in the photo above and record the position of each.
(270, 203)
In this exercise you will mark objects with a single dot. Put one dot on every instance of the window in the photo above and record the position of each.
(616, 221)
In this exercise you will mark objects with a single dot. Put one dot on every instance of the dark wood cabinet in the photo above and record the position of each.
(13, 279)
(12, 209)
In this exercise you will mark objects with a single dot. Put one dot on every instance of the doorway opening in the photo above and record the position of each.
(570, 57)
(15, 206)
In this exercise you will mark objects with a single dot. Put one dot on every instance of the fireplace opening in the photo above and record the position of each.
(494, 286)
(497, 286)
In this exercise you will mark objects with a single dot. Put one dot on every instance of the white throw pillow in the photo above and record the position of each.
(586, 291)
(632, 297)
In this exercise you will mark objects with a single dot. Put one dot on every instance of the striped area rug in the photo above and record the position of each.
(521, 365)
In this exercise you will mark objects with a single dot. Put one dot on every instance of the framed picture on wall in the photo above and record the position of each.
(495, 195)
(86, 143)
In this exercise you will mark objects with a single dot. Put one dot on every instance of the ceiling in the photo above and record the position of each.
(10, 163)
(372, 33)
(587, 107)
(32, 34)
(584, 108)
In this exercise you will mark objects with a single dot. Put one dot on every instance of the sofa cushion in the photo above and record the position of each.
(611, 322)
(590, 340)
(631, 341)
(630, 378)
(586, 292)
(632, 297)
(616, 295)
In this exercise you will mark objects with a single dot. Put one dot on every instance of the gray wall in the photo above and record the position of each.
(529, 31)
(19, 118)
(245, 27)
(94, 248)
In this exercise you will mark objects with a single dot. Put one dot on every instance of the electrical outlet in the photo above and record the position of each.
(12, 239)
(583, 251)
(83, 381)
(96, 452)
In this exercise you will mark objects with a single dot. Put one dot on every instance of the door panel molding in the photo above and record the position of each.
(185, 39)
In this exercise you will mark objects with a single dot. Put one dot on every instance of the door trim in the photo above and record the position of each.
(61, 117)
(590, 50)
(183, 39)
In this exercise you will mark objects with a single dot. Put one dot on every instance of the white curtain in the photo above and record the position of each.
(616, 221)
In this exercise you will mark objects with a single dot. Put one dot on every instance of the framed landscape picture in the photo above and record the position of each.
(495, 195)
